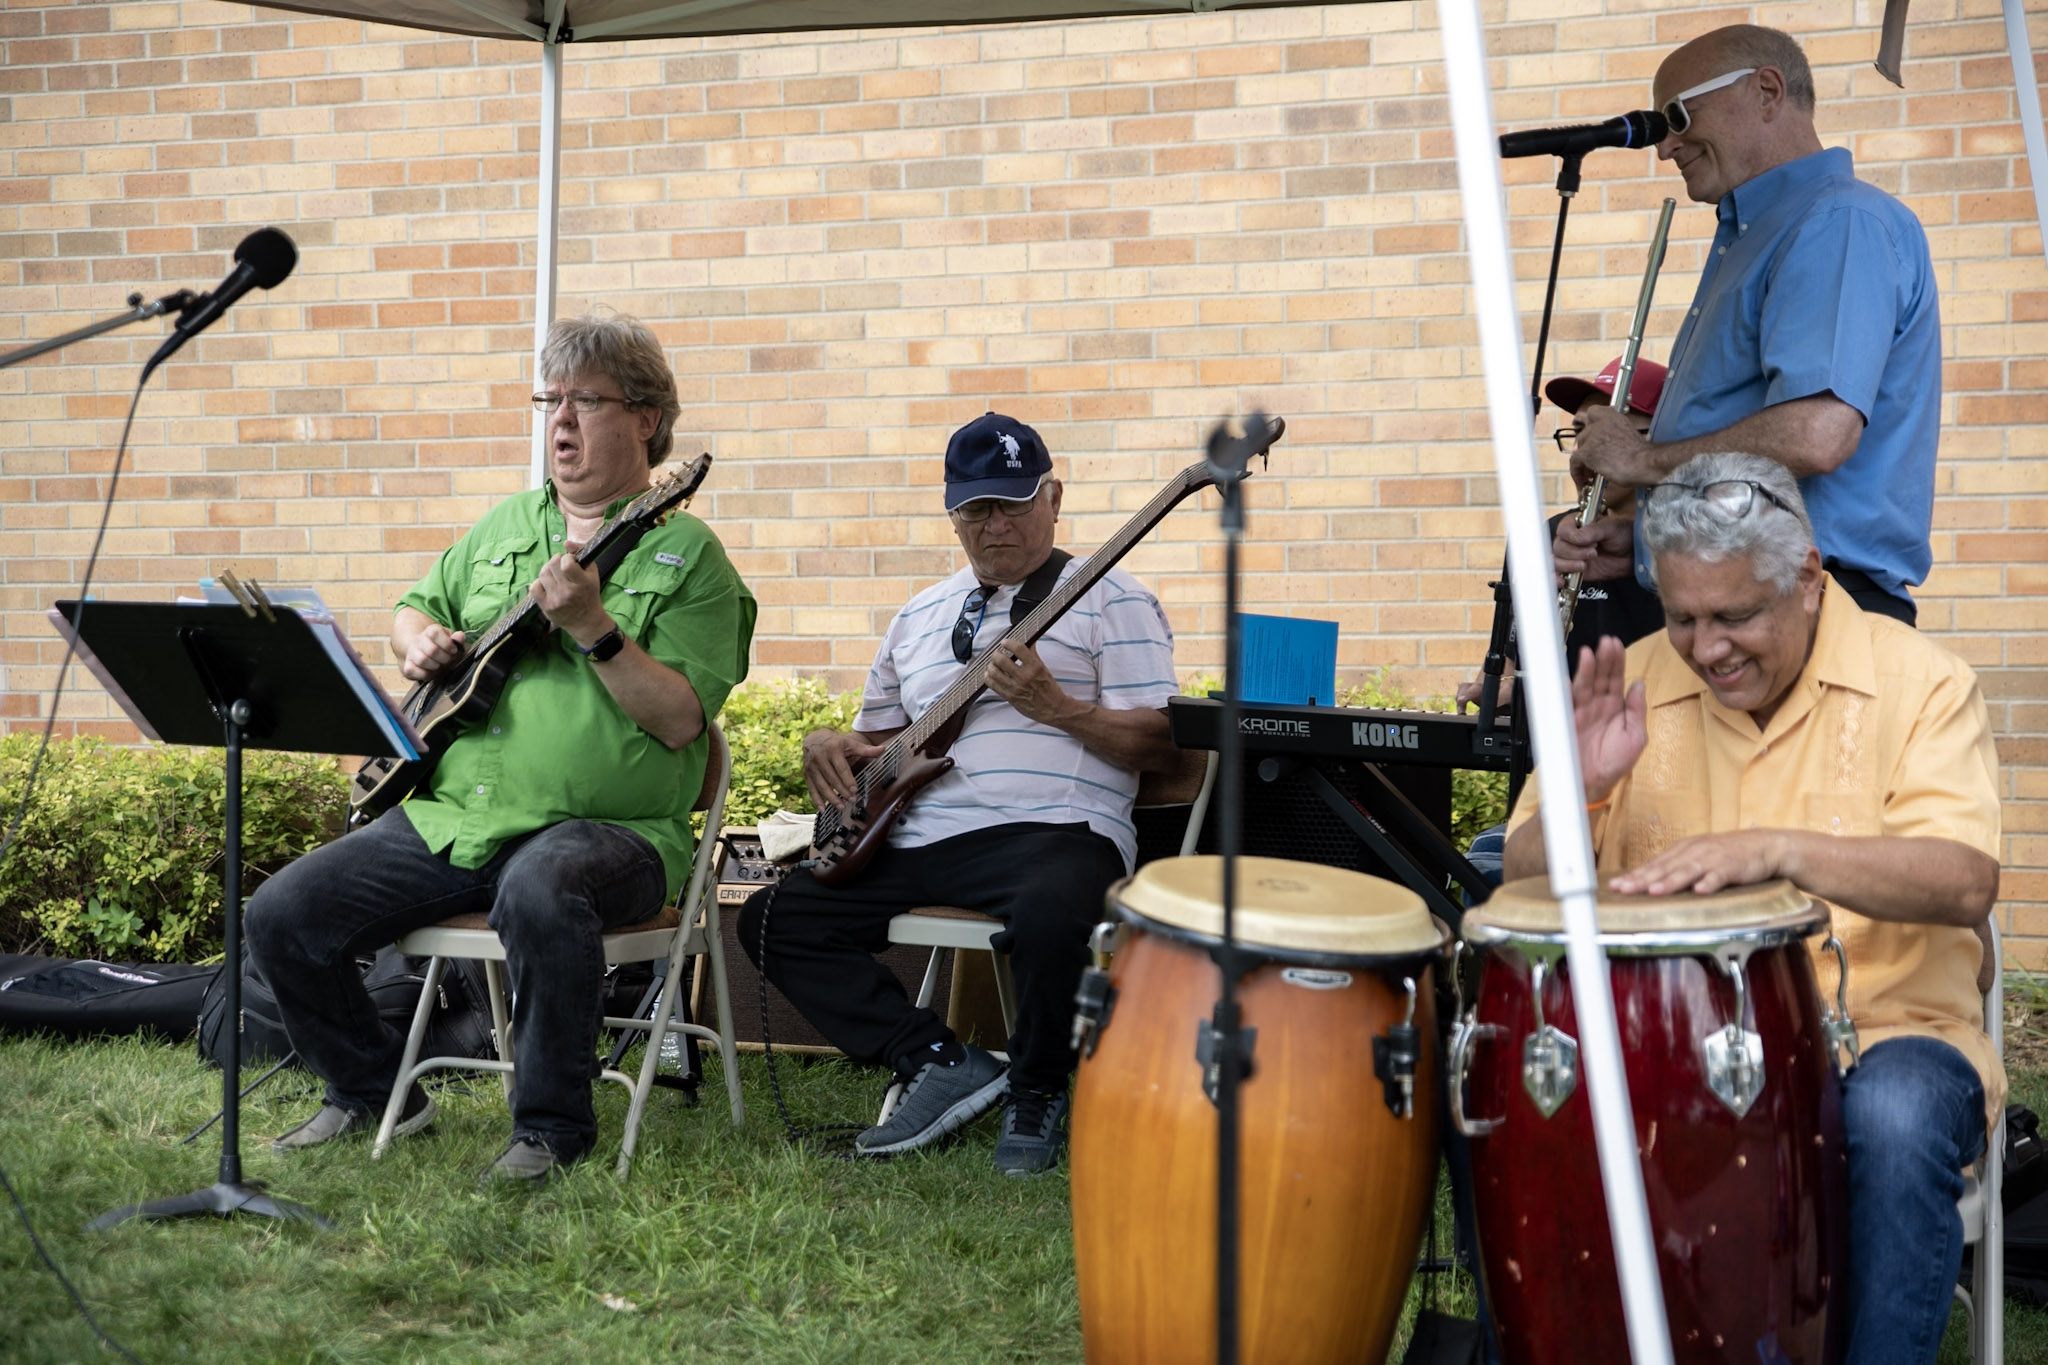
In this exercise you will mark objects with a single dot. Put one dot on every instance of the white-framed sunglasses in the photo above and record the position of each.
(1675, 112)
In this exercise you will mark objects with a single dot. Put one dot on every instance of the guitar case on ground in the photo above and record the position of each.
(81, 998)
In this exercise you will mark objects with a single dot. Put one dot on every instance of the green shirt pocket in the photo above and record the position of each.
(638, 588)
(499, 572)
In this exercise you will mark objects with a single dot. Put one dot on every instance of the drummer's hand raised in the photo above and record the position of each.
(1610, 719)
(1708, 863)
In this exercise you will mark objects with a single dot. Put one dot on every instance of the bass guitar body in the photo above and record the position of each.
(860, 833)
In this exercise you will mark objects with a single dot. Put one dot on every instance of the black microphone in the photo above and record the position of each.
(262, 261)
(1643, 128)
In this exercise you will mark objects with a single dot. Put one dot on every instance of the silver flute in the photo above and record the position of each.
(1594, 502)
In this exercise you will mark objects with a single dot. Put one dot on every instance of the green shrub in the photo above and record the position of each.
(119, 854)
(766, 724)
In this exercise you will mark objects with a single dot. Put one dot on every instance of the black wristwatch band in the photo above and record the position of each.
(606, 646)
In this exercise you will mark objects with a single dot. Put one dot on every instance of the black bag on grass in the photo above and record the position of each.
(460, 1025)
(82, 998)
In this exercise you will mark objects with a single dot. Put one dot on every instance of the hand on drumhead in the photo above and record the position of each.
(1609, 714)
(1708, 863)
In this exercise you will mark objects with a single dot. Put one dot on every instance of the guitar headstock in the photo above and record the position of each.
(1231, 447)
(652, 508)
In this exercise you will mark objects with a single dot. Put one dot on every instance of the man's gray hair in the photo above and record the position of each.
(1743, 45)
(623, 349)
(1679, 520)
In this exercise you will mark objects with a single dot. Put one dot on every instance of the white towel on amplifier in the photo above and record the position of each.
(785, 835)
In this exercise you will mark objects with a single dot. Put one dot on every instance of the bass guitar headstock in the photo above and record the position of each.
(1229, 450)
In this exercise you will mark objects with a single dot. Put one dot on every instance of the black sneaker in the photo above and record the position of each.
(1034, 1132)
(940, 1099)
(333, 1122)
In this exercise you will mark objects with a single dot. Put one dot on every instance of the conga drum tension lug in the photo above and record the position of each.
(1394, 1055)
(1467, 1035)
(1550, 1056)
(1094, 1001)
(1840, 1027)
(1209, 1054)
(1735, 1054)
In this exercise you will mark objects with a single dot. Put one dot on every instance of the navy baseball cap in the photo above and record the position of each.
(994, 457)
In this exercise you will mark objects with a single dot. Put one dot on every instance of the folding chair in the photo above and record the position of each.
(946, 928)
(1983, 1203)
(688, 927)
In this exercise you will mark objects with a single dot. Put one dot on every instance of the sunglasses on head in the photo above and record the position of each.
(1674, 110)
(965, 630)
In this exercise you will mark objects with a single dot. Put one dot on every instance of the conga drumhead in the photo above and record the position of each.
(1524, 911)
(1289, 908)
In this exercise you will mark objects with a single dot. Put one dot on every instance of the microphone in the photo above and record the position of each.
(262, 260)
(1642, 128)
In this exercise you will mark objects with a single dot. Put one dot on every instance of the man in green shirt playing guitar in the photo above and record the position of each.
(562, 808)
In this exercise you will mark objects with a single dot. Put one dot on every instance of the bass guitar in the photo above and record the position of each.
(465, 691)
(849, 833)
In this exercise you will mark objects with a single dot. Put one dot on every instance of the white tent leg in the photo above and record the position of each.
(1567, 837)
(2028, 92)
(549, 213)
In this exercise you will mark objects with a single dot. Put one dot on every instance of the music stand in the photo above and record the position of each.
(195, 674)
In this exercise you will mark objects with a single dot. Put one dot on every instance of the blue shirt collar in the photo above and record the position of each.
(1760, 194)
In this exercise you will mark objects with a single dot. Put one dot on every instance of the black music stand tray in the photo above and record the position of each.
(195, 674)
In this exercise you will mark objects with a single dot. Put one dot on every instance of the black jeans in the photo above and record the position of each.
(549, 895)
(1045, 882)
(1869, 596)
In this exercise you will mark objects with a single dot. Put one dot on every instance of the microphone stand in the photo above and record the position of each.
(1224, 1037)
(138, 311)
(1567, 186)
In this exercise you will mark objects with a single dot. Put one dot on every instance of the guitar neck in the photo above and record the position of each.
(969, 685)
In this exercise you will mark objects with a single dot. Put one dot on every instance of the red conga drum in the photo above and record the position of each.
(1337, 1156)
(1738, 1118)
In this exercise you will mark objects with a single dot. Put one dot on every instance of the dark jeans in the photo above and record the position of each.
(1045, 882)
(549, 895)
(1913, 1109)
(1869, 596)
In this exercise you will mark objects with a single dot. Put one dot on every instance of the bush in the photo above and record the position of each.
(765, 724)
(120, 852)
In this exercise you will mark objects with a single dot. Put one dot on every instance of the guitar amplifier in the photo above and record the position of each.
(742, 870)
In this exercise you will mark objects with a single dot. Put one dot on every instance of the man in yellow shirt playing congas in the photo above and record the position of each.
(1775, 729)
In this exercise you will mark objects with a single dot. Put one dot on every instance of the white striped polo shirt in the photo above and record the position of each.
(1112, 647)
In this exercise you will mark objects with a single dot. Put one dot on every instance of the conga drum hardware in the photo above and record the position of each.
(1550, 1056)
(1735, 1052)
(1337, 1123)
(1841, 1028)
(1094, 998)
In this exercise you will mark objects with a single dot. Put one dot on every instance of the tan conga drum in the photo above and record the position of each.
(1731, 1061)
(1336, 1155)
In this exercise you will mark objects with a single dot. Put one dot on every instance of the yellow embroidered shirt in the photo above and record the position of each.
(1883, 733)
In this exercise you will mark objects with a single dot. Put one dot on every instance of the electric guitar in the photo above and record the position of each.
(465, 691)
(849, 833)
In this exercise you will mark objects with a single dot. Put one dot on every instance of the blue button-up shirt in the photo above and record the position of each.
(1819, 283)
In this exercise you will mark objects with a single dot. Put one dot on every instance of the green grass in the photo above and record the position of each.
(724, 1246)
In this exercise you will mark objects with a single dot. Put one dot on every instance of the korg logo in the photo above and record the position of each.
(1272, 725)
(1379, 736)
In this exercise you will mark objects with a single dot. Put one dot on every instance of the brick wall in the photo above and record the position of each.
(1116, 230)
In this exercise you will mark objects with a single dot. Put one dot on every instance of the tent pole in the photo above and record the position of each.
(2028, 91)
(549, 212)
(1567, 834)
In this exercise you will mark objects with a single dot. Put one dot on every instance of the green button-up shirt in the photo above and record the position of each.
(556, 746)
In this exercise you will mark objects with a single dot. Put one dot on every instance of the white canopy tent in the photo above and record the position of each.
(552, 24)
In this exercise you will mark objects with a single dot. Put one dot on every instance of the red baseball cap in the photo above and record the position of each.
(1568, 391)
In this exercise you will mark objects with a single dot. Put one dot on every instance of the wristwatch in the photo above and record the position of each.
(606, 646)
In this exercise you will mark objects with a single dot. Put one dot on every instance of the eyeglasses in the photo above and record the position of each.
(981, 508)
(1568, 436)
(965, 630)
(1734, 497)
(1675, 112)
(584, 403)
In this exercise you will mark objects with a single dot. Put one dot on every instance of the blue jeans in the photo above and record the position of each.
(550, 895)
(1914, 1111)
(1485, 854)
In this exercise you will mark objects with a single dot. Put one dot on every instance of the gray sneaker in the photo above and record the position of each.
(333, 1122)
(938, 1100)
(525, 1161)
(1034, 1132)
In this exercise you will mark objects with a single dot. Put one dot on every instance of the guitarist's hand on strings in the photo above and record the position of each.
(831, 757)
(1020, 677)
(424, 646)
(570, 596)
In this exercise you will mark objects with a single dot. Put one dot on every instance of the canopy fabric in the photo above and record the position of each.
(613, 20)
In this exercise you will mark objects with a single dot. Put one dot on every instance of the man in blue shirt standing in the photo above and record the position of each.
(1814, 338)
